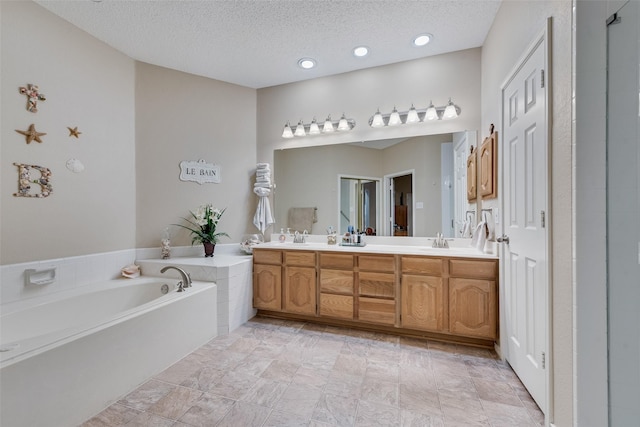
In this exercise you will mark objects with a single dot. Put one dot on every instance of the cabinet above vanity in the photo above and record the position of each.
(439, 294)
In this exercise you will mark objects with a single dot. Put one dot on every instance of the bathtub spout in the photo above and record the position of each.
(186, 278)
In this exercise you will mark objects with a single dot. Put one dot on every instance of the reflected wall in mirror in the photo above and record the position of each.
(312, 176)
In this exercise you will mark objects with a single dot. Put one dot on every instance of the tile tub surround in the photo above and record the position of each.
(284, 373)
(71, 272)
(229, 268)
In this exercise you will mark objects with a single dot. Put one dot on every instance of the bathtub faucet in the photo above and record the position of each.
(186, 278)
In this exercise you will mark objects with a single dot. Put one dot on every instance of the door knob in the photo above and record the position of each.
(503, 239)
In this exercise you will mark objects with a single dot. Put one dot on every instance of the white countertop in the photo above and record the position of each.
(454, 251)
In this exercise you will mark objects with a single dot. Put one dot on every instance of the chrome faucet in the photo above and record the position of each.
(300, 238)
(440, 241)
(186, 278)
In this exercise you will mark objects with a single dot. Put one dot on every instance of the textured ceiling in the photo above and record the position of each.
(258, 43)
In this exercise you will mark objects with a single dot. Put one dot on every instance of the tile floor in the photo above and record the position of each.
(285, 373)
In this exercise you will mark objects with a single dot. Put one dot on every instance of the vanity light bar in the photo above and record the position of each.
(315, 128)
(415, 115)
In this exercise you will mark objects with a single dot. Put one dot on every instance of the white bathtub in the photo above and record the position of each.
(67, 356)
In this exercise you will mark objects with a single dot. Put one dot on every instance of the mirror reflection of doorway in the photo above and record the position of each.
(401, 206)
(359, 204)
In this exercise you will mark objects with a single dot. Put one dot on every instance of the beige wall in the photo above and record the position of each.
(516, 25)
(360, 93)
(179, 117)
(89, 85)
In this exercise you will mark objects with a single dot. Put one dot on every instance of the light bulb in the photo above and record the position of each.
(328, 125)
(287, 133)
(431, 113)
(313, 128)
(377, 121)
(343, 124)
(394, 118)
(300, 129)
(412, 115)
(450, 112)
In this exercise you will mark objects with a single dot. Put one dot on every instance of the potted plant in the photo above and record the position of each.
(203, 226)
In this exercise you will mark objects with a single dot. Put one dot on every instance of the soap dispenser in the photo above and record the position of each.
(283, 236)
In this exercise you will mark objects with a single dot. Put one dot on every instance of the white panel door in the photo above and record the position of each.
(525, 179)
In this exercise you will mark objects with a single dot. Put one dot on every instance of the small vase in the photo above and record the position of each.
(208, 249)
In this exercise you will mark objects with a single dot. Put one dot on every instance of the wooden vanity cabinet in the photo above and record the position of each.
(299, 284)
(377, 289)
(424, 294)
(336, 283)
(473, 301)
(267, 279)
(412, 294)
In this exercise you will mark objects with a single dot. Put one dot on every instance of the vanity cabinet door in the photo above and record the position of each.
(300, 290)
(423, 303)
(267, 287)
(472, 307)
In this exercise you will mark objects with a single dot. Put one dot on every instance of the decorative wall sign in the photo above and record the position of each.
(199, 171)
(75, 165)
(25, 180)
(31, 134)
(33, 96)
(74, 132)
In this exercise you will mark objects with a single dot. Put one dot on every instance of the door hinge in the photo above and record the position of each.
(613, 19)
(544, 360)
(542, 219)
(542, 78)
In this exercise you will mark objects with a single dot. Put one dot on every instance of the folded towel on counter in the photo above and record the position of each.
(262, 184)
(301, 219)
(264, 166)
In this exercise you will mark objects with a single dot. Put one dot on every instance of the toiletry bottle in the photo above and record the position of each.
(166, 244)
(282, 237)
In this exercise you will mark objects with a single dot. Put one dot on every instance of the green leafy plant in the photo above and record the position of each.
(203, 224)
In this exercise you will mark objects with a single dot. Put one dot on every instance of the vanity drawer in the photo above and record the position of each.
(302, 258)
(336, 281)
(340, 306)
(336, 261)
(382, 263)
(473, 269)
(377, 310)
(422, 265)
(377, 284)
(266, 256)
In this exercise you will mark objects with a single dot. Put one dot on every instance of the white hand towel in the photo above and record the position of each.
(491, 227)
(263, 218)
(476, 233)
(482, 237)
(466, 229)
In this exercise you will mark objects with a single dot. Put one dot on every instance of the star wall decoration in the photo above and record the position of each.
(74, 132)
(31, 134)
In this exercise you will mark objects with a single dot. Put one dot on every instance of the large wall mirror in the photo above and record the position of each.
(404, 187)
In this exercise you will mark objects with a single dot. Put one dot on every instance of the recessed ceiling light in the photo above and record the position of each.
(422, 39)
(360, 51)
(306, 63)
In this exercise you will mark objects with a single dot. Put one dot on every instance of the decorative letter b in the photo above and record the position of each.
(25, 180)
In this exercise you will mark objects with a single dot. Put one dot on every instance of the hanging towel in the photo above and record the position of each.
(480, 236)
(301, 219)
(263, 218)
(491, 227)
(466, 229)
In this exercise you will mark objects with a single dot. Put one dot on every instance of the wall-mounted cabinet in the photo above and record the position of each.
(489, 166)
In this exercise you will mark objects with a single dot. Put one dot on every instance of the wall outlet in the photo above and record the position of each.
(419, 205)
